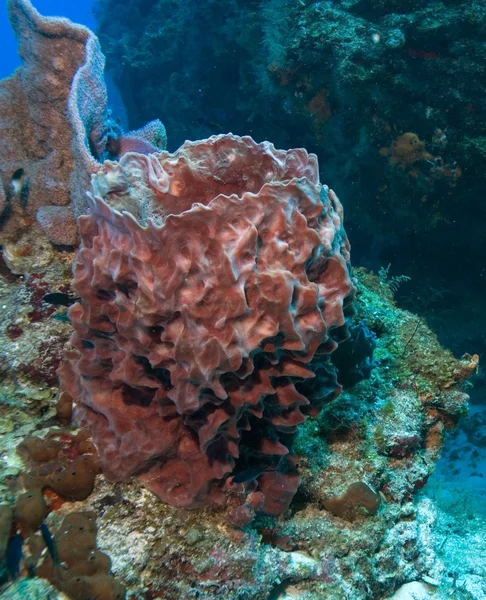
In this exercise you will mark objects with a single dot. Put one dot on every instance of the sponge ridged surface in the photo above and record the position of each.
(194, 334)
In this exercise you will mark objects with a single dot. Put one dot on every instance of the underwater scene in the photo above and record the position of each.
(242, 293)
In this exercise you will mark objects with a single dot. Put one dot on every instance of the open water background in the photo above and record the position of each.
(79, 11)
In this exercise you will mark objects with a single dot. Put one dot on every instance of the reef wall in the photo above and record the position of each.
(388, 94)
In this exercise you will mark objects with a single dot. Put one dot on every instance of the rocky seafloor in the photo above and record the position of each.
(385, 431)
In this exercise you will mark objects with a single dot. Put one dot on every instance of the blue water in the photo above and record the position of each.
(79, 12)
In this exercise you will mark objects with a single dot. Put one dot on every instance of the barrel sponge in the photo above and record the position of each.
(198, 321)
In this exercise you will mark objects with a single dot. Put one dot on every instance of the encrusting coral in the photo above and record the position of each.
(407, 149)
(358, 496)
(196, 327)
(62, 463)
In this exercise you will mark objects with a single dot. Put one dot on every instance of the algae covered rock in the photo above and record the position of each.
(177, 553)
(341, 461)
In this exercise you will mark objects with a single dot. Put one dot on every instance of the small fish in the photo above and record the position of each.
(20, 186)
(14, 555)
(59, 299)
(17, 181)
(214, 125)
(63, 316)
(424, 54)
(50, 543)
(250, 474)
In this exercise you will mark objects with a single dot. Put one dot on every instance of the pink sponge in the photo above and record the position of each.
(197, 325)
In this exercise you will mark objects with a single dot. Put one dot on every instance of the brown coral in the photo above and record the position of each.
(62, 462)
(54, 127)
(407, 149)
(30, 510)
(55, 101)
(319, 107)
(358, 498)
(82, 571)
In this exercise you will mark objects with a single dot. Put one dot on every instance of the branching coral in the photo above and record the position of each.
(196, 327)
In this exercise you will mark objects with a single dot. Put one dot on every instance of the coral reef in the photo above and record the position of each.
(195, 332)
(55, 128)
(32, 332)
(62, 467)
(457, 490)
(163, 551)
(226, 395)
